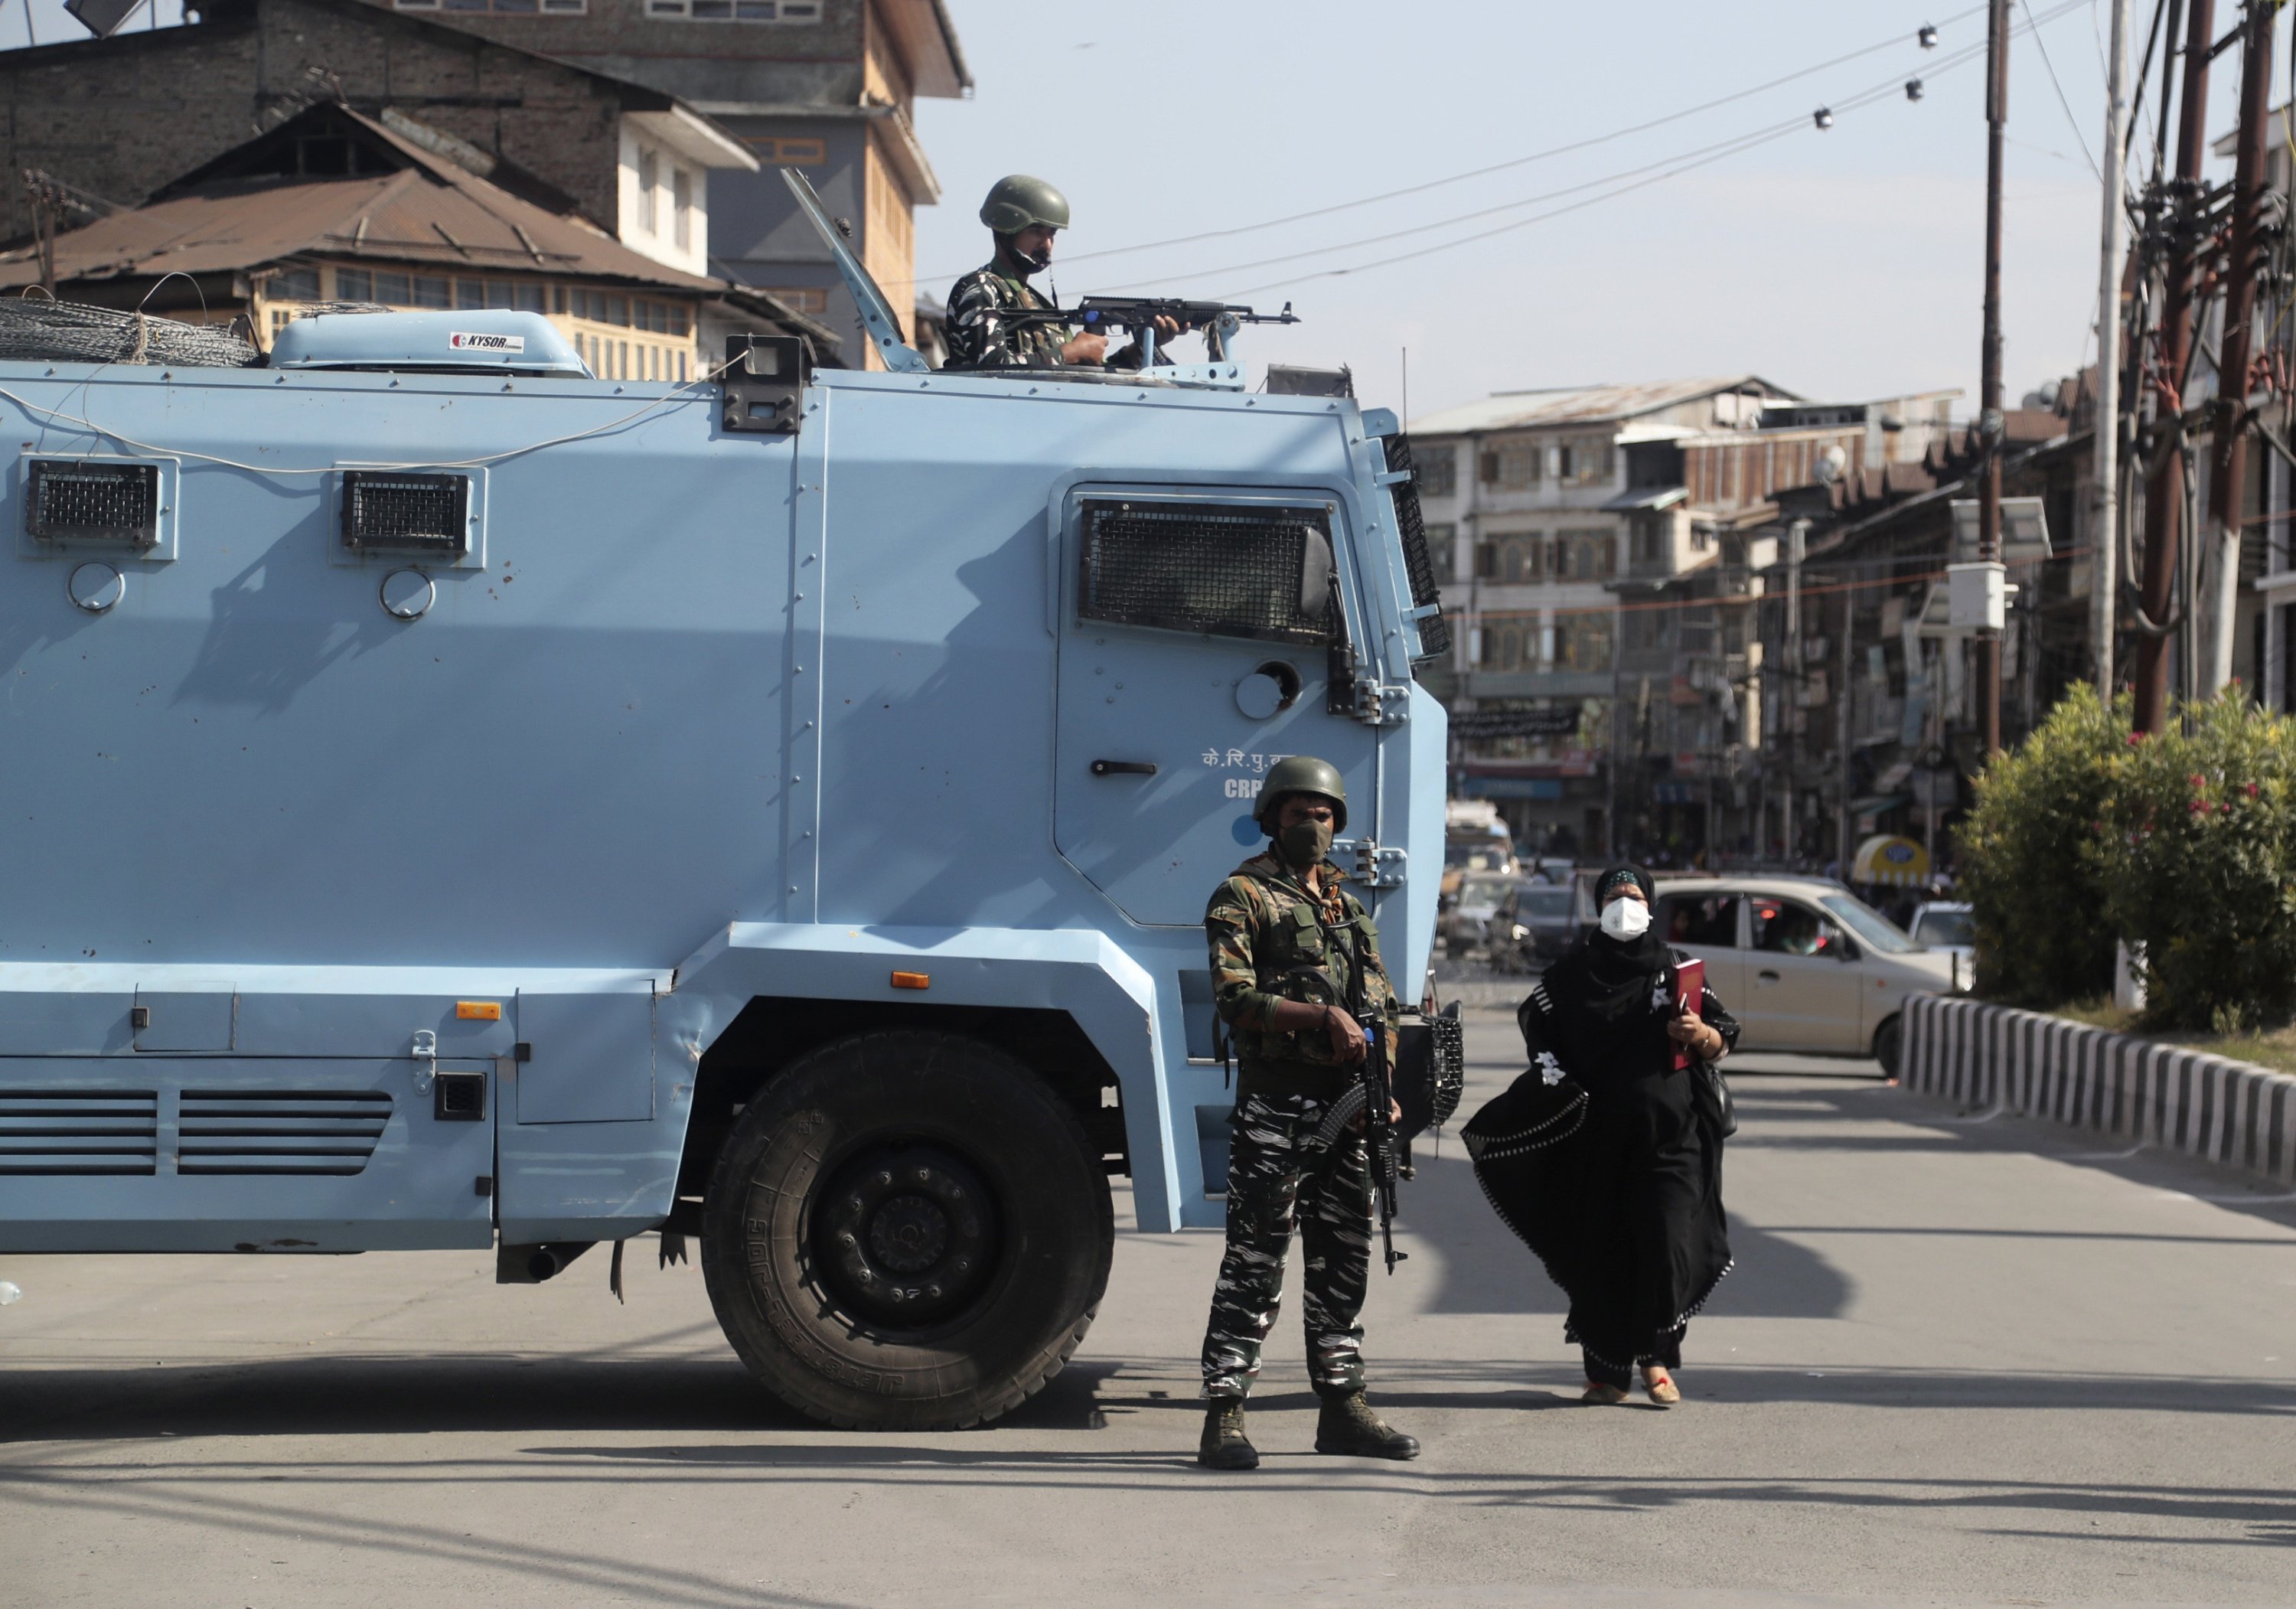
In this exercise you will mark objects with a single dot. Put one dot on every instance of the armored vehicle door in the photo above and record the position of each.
(1197, 635)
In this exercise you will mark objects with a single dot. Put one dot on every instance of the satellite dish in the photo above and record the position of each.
(102, 18)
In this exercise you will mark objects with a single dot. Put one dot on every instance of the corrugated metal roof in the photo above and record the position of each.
(1583, 405)
(430, 213)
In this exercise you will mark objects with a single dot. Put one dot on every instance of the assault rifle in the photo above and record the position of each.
(1136, 317)
(1370, 1100)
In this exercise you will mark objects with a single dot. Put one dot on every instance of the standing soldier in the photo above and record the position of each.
(1291, 952)
(1023, 214)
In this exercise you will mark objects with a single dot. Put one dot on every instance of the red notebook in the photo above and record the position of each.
(1689, 990)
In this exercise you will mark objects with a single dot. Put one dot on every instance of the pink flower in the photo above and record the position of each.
(2199, 807)
(2223, 809)
(2200, 781)
(2136, 738)
(2251, 789)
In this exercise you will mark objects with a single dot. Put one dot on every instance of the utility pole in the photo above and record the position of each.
(2228, 472)
(1991, 427)
(1845, 821)
(1796, 680)
(2164, 495)
(2104, 524)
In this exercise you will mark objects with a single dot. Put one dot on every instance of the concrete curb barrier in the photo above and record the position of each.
(2000, 1058)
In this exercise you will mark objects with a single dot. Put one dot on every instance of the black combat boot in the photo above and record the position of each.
(1225, 1445)
(1347, 1425)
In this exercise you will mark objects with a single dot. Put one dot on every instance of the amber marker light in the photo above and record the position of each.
(912, 980)
(478, 1011)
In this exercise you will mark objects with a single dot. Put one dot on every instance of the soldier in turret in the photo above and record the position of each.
(1295, 957)
(1023, 214)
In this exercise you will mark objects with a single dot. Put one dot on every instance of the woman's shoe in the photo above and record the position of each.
(1663, 1392)
(1601, 1395)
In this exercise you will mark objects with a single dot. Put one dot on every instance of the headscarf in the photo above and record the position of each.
(1611, 980)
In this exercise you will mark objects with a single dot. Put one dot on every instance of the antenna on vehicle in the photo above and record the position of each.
(877, 318)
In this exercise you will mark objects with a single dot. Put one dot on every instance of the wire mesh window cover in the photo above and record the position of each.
(1434, 630)
(83, 500)
(1228, 571)
(384, 510)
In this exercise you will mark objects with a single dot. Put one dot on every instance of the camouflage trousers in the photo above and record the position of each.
(1275, 1178)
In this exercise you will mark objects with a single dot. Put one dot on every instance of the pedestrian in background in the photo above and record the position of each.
(1618, 1190)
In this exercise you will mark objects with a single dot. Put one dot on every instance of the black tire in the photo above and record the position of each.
(1887, 1040)
(906, 1231)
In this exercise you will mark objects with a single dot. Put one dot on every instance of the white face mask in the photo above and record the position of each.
(1625, 918)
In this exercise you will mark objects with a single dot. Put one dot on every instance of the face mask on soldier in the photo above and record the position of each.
(1305, 843)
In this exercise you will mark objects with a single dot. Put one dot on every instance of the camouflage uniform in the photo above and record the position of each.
(1271, 941)
(980, 339)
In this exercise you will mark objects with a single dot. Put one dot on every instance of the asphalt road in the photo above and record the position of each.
(1960, 1361)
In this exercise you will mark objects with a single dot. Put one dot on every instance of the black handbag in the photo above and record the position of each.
(1714, 1091)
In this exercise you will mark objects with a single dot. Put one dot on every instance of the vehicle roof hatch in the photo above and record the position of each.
(487, 340)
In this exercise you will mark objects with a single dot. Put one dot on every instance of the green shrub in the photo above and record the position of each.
(2030, 872)
(2198, 860)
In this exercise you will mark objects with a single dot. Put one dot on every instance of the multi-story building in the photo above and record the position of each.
(256, 236)
(827, 87)
(117, 118)
(1605, 545)
(1528, 493)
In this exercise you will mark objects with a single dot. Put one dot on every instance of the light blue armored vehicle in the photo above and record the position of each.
(451, 800)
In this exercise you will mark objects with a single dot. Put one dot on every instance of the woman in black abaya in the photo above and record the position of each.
(1604, 1157)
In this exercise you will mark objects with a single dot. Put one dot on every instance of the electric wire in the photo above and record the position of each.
(1682, 163)
(2073, 122)
(1670, 165)
(675, 397)
(1513, 162)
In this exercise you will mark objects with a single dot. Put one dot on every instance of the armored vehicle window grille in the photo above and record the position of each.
(1418, 564)
(388, 512)
(1263, 574)
(78, 1131)
(77, 499)
(275, 1131)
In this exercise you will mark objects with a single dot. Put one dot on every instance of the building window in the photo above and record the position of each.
(809, 299)
(293, 285)
(504, 8)
(735, 11)
(1582, 642)
(1442, 552)
(1437, 471)
(1516, 466)
(681, 193)
(649, 179)
(353, 284)
(1585, 555)
(788, 153)
(1651, 532)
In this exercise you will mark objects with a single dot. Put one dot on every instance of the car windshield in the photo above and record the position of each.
(1945, 927)
(1476, 854)
(1541, 900)
(1482, 890)
(1868, 924)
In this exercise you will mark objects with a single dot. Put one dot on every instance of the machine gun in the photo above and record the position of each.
(1136, 317)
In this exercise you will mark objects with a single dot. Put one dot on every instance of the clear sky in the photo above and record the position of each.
(1845, 263)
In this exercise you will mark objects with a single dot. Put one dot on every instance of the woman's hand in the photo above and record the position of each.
(1705, 1043)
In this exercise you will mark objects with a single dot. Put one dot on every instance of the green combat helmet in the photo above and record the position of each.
(1302, 773)
(1017, 202)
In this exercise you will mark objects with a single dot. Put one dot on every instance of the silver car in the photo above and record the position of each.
(1803, 964)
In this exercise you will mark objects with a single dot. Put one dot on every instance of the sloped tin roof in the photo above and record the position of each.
(1584, 405)
(430, 213)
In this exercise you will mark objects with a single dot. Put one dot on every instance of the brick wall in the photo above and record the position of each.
(123, 116)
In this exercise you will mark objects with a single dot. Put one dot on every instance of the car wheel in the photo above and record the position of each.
(1887, 1039)
(906, 1231)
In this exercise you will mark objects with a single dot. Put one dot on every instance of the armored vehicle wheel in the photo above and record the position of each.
(906, 1231)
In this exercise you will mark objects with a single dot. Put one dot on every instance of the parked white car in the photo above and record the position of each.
(1802, 963)
(1949, 928)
